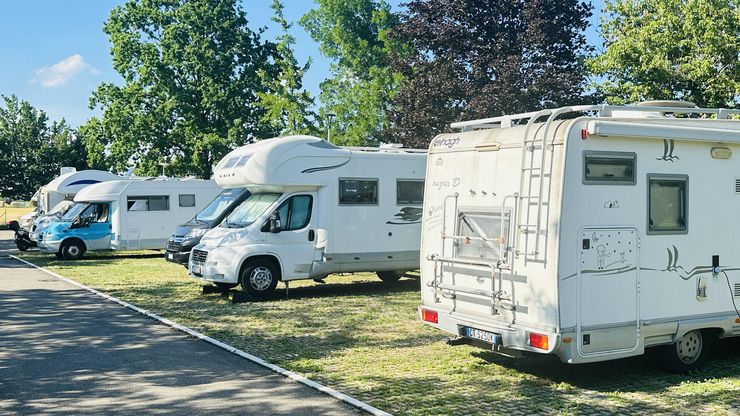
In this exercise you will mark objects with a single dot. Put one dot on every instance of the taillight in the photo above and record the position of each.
(538, 341)
(429, 316)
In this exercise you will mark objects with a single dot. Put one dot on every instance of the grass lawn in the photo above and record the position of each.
(362, 337)
(13, 213)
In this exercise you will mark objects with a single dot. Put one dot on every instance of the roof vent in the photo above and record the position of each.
(737, 289)
(667, 103)
(737, 186)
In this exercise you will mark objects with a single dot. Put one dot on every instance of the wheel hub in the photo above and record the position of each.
(260, 278)
(73, 250)
(689, 347)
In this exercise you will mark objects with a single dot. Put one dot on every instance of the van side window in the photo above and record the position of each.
(668, 204)
(187, 200)
(295, 212)
(609, 168)
(148, 203)
(409, 192)
(358, 192)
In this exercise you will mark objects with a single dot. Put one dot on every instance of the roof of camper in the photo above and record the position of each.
(72, 182)
(111, 190)
(294, 160)
(655, 119)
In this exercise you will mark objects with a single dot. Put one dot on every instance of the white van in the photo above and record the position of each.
(126, 215)
(315, 209)
(588, 232)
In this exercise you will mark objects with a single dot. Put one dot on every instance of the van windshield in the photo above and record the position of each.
(73, 212)
(60, 208)
(250, 210)
(218, 205)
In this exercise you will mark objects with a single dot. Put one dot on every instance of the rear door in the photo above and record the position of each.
(608, 280)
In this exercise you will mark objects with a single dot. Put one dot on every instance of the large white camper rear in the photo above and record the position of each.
(67, 185)
(592, 237)
(315, 209)
(126, 214)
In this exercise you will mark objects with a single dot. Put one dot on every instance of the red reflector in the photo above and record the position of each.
(538, 341)
(429, 316)
(584, 134)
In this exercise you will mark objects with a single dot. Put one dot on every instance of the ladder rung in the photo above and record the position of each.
(535, 203)
(526, 225)
(547, 175)
(529, 197)
(534, 168)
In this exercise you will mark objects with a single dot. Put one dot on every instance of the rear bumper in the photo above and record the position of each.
(513, 337)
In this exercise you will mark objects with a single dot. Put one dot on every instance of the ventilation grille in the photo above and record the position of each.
(737, 186)
(737, 289)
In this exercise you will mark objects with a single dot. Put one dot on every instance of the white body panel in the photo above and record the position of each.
(133, 229)
(382, 236)
(67, 185)
(595, 275)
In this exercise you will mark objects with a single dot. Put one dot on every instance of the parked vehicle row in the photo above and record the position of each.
(566, 231)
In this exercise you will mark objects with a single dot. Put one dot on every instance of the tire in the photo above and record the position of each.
(72, 250)
(688, 353)
(22, 246)
(259, 278)
(390, 276)
(225, 286)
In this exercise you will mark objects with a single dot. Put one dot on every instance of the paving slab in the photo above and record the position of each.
(66, 351)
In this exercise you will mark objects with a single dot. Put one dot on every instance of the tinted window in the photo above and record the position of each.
(609, 168)
(148, 203)
(358, 191)
(667, 205)
(187, 200)
(409, 192)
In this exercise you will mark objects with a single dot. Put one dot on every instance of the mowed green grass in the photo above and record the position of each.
(362, 337)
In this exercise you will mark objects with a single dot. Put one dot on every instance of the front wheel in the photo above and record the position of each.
(22, 246)
(259, 278)
(390, 276)
(688, 353)
(72, 250)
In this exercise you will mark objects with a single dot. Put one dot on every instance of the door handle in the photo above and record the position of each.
(311, 235)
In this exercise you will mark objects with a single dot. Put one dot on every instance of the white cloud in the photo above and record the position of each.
(62, 71)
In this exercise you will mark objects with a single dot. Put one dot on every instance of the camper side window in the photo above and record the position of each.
(148, 203)
(409, 192)
(358, 192)
(187, 200)
(609, 168)
(668, 204)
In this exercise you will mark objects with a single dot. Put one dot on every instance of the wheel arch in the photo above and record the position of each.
(73, 239)
(269, 257)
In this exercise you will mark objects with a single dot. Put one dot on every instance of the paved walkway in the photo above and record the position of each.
(65, 351)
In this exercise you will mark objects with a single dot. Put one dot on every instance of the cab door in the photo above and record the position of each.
(294, 241)
(98, 232)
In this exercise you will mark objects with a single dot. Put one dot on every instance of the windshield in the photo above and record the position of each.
(60, 208)
(218, 205)
(250, 210)
(73, 212)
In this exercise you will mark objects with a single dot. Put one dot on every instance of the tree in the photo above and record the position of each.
(31, 150)
(353, 34)
(191, 78)
(482, 58)
(288, 107)
(671, 49)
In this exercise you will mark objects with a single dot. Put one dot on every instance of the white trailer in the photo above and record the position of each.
(590, 238)
(315, 209)
(128, 214)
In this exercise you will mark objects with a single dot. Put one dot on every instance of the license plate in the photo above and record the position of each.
(483, 335)
(196, 270)
(170, 256)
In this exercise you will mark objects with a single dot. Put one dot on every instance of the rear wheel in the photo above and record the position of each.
(390, 276)
(72, 250)
(688, 353)
(259, 278)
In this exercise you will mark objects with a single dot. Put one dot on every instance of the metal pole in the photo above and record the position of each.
(330, 118)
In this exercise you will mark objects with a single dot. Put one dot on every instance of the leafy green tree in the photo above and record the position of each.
(353, 34)
(670, 49)
(32, 150)
(288, 107)
(482, 58)
(191, 72)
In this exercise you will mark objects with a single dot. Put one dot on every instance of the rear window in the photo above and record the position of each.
(358, 192)
(609, 168)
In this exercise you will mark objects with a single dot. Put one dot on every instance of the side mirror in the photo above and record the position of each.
(275, 226)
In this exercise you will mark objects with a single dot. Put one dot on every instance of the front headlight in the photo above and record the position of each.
(195, 233)
(234, 237)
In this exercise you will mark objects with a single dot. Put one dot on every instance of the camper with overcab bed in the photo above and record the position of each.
(314, 209)
(588, 232)
(128, 214)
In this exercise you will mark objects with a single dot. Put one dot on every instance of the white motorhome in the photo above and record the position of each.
(65, 186)
(315, 209)
(126, 215)
(591, 237)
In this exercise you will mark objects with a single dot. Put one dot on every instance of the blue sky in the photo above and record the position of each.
(54, 53)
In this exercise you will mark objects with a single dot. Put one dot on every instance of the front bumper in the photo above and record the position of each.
(217, 265)
(178, 257)
(49, 246)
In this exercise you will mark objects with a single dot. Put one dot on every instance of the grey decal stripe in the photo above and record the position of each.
(322, 168)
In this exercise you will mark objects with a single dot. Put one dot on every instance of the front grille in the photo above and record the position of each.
(174, 246)
(199, 256)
